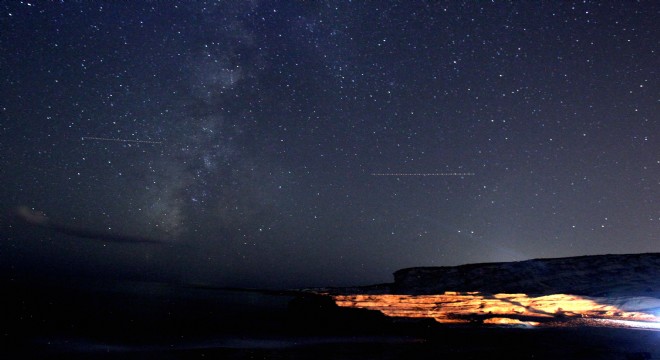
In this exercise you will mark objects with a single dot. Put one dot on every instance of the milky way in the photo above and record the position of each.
(253, 131)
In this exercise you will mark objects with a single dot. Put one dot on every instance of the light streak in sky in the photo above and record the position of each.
(120, 140)
(422, 174)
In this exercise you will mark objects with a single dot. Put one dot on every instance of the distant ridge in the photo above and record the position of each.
(592, 275)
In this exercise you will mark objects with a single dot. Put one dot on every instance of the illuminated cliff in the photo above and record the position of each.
(612, 289)
(452, 307)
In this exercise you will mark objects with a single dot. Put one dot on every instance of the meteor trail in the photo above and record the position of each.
(422, 174)
(120, 140)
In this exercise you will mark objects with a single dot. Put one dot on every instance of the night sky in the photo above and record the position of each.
(256, 129)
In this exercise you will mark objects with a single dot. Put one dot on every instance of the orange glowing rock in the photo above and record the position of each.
(515, 309)
(507, 321)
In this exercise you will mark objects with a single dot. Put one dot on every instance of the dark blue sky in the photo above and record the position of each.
(271, 118)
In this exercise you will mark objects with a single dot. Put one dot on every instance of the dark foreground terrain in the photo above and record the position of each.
(135, 320)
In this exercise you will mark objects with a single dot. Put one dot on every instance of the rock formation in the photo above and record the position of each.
(604, 290)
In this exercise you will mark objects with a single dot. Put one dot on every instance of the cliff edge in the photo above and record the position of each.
(595, 275)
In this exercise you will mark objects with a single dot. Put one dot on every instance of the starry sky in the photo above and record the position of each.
(246, 135)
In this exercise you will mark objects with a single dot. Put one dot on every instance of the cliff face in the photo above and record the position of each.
(515, 309)
(599, 275)
(616, 289)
